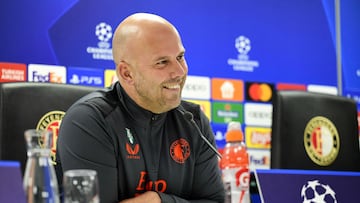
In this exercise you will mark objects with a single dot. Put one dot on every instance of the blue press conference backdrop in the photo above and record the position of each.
(291, 41)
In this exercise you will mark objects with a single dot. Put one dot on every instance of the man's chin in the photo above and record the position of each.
(173, 104)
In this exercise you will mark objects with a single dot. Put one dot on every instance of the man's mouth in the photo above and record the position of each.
(172, 86)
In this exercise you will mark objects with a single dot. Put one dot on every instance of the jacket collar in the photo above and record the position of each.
(136, 112)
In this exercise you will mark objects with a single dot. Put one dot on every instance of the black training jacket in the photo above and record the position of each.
(134, 150)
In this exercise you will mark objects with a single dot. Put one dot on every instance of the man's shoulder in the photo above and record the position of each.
(192, 108)
(105, 100)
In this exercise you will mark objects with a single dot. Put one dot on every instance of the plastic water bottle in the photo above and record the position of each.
(40, 183)
(235, 166)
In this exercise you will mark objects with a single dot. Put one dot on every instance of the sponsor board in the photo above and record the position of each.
(197, 87)
(290, 86)
(219, 133)
(259, 92)
(46, 73)
(322, 89)
(205, 106)
(257, 137)
(11, 72)
(259, 159)
(85, 76)
(223, 112)
(227, 89)
(110, 77)
(258, 114)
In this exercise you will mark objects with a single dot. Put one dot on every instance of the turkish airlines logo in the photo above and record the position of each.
(132, 151)
(10, 72)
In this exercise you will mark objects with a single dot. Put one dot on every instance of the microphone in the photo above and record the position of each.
(189, 116)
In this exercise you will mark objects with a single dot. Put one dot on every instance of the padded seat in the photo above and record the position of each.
(314, 131)
(30, 105)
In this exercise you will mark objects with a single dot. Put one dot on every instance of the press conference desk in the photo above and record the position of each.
(267, 185)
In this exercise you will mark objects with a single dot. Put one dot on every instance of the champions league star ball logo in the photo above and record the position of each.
(104, 33)
(242, 44)
(315, 192)
(242, 63)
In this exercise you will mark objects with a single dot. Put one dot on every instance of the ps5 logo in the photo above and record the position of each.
(84, 79)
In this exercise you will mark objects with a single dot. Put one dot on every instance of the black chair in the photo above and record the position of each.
(30, 105)
(314, 131)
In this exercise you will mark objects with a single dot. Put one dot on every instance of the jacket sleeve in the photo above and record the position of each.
(84, 142)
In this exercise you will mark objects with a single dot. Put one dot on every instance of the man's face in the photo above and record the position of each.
(160, 72)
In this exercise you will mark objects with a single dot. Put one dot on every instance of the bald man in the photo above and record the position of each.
(137, 134)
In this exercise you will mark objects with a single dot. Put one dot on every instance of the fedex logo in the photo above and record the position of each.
(259, 159)
(46, 73)
(49, 77)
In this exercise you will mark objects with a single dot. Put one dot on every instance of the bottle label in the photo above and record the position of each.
(236, 183)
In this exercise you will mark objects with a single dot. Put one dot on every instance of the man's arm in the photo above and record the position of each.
(84, 143)
(147, 197)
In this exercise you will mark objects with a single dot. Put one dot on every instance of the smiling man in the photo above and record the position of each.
(137, 134)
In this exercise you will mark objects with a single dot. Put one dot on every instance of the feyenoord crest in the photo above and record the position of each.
(51, 121)
(321, 140)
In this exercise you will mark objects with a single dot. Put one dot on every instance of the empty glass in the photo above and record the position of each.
(81, 186)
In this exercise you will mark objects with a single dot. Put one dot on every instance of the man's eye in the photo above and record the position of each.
(180, 58)
(162, 62)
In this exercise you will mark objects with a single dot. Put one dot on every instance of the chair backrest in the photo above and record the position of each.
(314, 131)
(30, 105)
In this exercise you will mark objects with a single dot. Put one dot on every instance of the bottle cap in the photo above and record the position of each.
(234, 132)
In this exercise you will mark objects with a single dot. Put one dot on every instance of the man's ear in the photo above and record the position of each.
(124, 72)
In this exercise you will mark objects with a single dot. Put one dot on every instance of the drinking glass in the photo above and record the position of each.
(81, 186)
(40, 183)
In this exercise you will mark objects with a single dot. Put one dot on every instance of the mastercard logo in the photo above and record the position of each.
(259, 92)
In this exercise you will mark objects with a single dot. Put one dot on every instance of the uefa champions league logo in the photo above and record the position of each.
(242, 44)
(315, 192)
(104, 33)
(242, 63)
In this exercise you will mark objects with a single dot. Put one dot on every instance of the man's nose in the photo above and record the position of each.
(179, 69)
